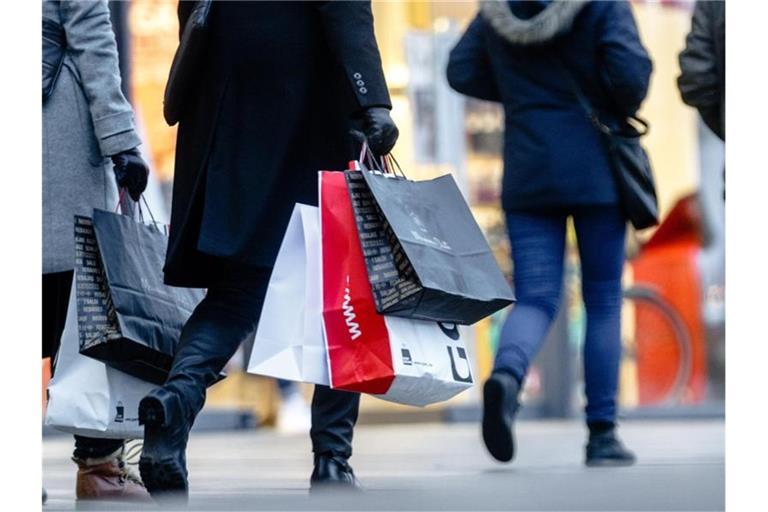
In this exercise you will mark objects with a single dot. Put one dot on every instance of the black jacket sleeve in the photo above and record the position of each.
(625, 65)
(469, 67)
(699, 81)
(348, 27)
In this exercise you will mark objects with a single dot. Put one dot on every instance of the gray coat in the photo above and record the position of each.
(86, 119)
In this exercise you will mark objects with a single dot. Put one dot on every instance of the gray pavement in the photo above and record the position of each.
(443, 467)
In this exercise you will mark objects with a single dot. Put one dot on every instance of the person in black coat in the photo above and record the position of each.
(702, 65)
(526, 55)
(280, 86)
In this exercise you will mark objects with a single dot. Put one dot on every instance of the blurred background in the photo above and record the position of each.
(674, 315)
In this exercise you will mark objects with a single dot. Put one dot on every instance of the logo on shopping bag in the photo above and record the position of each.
(423, 234)
(349, 314)
(461, 355)
(120, 412)
(407, 361)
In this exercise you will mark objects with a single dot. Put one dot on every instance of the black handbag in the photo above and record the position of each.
(629, 162)
(183, 73)
(54, 46)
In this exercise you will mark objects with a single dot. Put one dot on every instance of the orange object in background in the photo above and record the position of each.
(667, 264)
(46, 380)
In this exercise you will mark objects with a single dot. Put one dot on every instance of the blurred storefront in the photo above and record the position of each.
(442, 132)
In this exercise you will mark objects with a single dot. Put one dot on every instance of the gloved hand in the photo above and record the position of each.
(380, 130)
(131, 172)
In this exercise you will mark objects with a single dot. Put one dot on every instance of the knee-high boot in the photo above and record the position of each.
(223, 320)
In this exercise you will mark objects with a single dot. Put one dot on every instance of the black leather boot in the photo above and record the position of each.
(333, 472)
(605, 450)
(163, 462)
(499, 408)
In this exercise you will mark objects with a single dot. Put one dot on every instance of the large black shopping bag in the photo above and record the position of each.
(426, 256)
(127, 317)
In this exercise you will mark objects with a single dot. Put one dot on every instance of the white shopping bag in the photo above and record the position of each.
(88, 398)
(430, 363)
(289, 339)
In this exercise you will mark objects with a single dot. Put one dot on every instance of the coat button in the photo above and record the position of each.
(357, 76)
(360, 83)
(363, 90)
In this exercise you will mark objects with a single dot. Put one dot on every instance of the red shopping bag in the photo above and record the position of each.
(359, 352)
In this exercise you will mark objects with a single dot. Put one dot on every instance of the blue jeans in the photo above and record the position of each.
(538, 247)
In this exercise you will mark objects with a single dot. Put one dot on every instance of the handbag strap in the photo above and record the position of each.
(586, 105)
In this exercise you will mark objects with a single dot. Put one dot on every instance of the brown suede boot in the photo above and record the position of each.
(108, 478)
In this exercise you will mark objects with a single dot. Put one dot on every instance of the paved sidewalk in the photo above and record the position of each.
(444, 467)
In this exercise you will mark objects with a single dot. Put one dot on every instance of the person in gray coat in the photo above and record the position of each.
(86, 123)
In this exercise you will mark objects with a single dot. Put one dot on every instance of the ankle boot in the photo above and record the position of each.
(499, 408)
(107, 478)
(332, 472)
(163, 463)
(605, 450)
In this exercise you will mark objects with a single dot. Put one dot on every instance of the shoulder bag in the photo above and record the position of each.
(186, 61)
(629, 162)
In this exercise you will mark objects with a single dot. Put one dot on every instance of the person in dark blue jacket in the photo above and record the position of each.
(522, 54)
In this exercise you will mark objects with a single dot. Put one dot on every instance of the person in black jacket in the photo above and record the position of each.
(279, 89)
(524, 55)
(702, 65)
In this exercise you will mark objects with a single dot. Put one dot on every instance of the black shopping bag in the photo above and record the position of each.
(426, 256)
(127, 317)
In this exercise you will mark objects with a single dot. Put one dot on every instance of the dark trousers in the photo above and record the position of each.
(538, 245)
(56, 290)
(225, 318)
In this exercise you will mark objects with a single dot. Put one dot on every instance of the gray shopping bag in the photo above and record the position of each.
(425, 254)
(127, 317)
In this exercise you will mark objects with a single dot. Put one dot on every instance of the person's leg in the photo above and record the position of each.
(56, 290)
(334, 414)
(600, 233)
(601, 236)
(222, 320)
(94, 448)
(538, 245)
(99, 474)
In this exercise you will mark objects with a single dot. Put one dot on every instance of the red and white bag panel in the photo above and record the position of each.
(397, 359)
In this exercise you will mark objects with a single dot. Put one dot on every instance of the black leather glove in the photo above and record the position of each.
(131, 172)
(380, 130)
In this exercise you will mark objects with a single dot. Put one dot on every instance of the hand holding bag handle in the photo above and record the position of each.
(384, 165)
(120, 207)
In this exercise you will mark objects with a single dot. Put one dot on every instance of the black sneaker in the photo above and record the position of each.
(163, 463)
(605, 450)
(499, 408)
